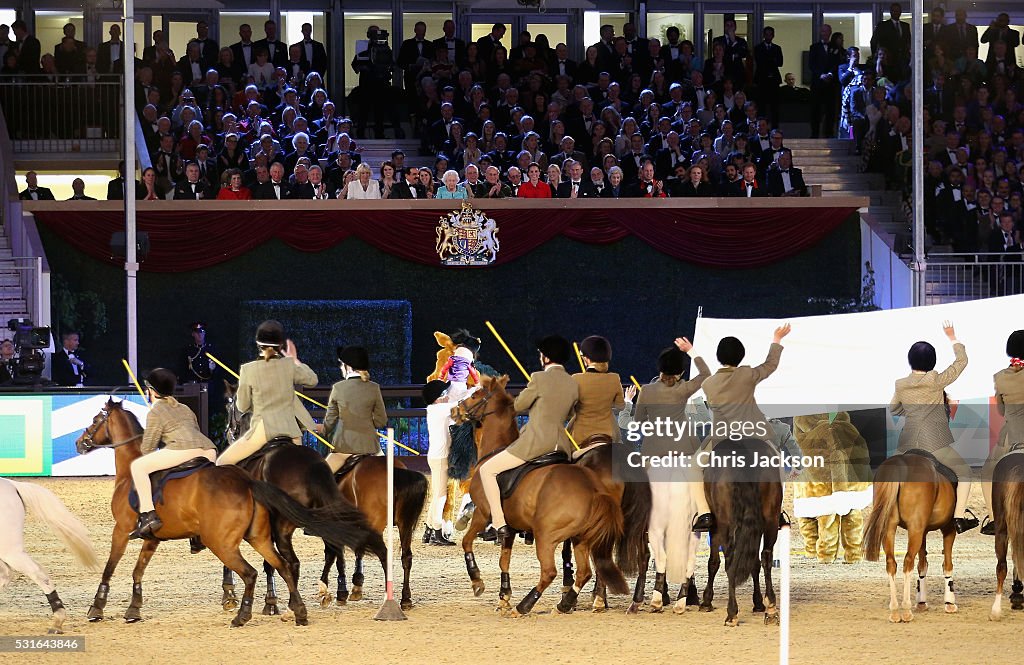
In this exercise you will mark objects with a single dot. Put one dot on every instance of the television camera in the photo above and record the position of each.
(29, 343)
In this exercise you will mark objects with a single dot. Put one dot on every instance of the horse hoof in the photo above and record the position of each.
(771, 619)
(656, 609)
(906, 616)
(951, 608)
(301, 617)
(894, 617)
(732, 623)
(132, 615)
(406, 604)
(55, 631)
(758, 609)
(342, 602)
(238, 621)
(356, 595)
(679, 607)
(634, 608)
(707, 608)
(229, 604)
(995, 615)
(922, 607)
(1016, 605)
(287, 615)
(270, 610)
(478, 588)
(95, 614)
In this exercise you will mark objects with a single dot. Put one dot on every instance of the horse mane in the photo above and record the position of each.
(133, 421)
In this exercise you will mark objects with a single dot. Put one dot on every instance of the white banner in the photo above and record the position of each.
(855, 359)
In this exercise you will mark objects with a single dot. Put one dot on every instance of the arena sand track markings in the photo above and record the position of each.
(839, 611)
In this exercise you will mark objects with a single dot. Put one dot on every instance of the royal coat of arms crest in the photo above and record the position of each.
(467, 237)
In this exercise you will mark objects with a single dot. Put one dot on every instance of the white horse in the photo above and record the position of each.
(14, 499)
(673, 543)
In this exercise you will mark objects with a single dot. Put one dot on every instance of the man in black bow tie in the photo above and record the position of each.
(785, 179)
(193, 187)
(33, 192)
(313, 53)
(67, 366)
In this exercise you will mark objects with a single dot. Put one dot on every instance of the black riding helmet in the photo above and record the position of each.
(161, 381)
(597, 349)
(670, 362)
(555, 348)
(270, 333)
(355, 357)
(922, 357)
(433, 390)
(463, 337)
(1015, 344)
(730, 351)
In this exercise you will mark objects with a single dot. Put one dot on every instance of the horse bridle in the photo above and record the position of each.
(471, 414)
(94, 429)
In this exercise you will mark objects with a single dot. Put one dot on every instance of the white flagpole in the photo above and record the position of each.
(783, 549)
(390, 610)
(131, 264)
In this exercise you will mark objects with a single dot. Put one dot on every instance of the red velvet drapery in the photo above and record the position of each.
(191, 238)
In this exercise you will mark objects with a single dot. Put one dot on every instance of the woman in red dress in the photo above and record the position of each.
(533, 188)
(234, 191)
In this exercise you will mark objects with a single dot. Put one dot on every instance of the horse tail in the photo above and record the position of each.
(886, 493)
(44, 504)
(745, 530)
(604, 528)
(320, 487)
(636, 517)
(410, 495)
(339, 523)
(1013, 508)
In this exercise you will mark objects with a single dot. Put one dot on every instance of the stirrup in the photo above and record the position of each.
(964, 524)
(988, 526)
(783, 519)
(703, 522)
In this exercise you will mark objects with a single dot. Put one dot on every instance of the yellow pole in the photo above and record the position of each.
(521, 369)
(397, 443)
(235, 374)
(635, 382)
(579, 356)
(134, 379)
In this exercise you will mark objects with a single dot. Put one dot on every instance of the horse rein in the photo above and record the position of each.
(471, 415)
(93, 430)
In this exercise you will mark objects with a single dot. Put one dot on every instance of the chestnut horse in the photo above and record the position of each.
(746, 501)
(366, 486)
(222, 504)
(556, 503)
(1008, 515)
(911, 493)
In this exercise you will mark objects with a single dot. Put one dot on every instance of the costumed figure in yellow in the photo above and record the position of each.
(829, 501)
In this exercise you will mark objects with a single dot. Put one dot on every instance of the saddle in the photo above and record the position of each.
(943, 470)
(509, 480)
(268, 447)
(592, 443)
(161, 478)
(349, 464)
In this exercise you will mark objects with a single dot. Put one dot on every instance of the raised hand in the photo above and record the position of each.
(630, 393)
(683, 344)
(781, 332)
(947, 328)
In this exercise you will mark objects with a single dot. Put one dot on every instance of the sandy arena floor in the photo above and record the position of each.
(839, 611)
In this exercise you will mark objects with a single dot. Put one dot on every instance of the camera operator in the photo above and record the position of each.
(375, 67)
(7, 362)
(68, 368)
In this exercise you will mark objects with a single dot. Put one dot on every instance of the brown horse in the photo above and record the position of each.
(746, 502)
(366, 486)
(223, 505)
(556, 503)
(633, 494)
(302, 474)
(1008, 515)
(910, 492)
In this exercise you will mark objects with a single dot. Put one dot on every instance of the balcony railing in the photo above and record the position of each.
(65, 115)
(959, 277)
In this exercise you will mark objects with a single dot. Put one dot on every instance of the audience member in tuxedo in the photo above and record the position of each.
(1000, 31)
(321, 188)
(70, 52)
(301, 188)
(568, 151)
(409, 187)
(29, 49)
(647, 187)
(110, 51)
(490, 41)
(576, 187)
(748, 185)
(562, 64)
(115, 188)
(1004, 245)
(767, 77)
(598, 180)
(67, 368)
(78, 187)
(208, 171)
(894, 36)
(314, 54)
(493, 187)
(958, 36)
(193, 187)
(209, 49)
(191, 65)
(244, 49)
(824, 60)
(277, 50)
(235, 190)
(455, 48)
(731, 177)
(784, 179)
(32, 191)
(276, 188)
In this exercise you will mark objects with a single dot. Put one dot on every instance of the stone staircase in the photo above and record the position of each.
(12, 298)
